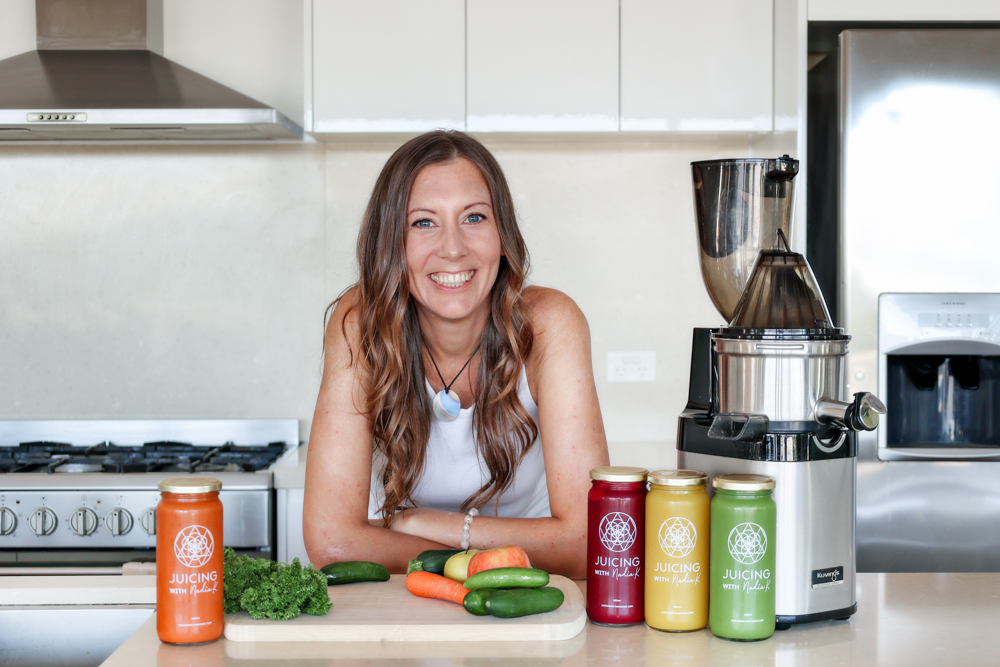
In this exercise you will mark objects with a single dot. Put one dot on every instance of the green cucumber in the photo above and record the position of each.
(432, 560)
(354, 571)
(474, 601)
(508, 577)
(523, 602)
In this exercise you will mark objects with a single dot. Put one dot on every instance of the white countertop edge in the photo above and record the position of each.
(77, 590)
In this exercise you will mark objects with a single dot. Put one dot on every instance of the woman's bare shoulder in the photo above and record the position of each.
(343, 319)
(552, 313)
(560, 332)
(342, 341)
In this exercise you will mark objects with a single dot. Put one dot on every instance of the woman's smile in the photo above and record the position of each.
(452, 279)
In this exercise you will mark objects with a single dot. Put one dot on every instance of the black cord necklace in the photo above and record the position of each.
(447, 405)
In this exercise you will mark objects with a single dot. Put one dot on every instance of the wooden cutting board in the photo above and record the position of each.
(386, 611)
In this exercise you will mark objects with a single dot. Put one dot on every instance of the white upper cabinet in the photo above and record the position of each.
(697, 66)
(17, 28)
(388, 65)
(904, 10)
(542, 65)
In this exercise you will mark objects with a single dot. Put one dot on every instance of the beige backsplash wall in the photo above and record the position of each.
(186, 281)
(160, 282)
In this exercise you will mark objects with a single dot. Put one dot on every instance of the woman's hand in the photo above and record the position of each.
(429, 524)
(404, 522)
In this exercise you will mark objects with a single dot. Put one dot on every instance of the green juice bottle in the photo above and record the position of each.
(741, 571)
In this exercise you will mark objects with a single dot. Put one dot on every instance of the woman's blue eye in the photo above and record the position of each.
(476, 217)
(423, 223)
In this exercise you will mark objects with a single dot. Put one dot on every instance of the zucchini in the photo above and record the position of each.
(354, 571)
(508, 577)
(474, 601)
(523, 602)
(432, 560)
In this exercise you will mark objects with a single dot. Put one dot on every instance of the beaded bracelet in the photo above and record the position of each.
(468, 523)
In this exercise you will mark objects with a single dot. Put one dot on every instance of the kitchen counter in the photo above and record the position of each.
(77, 590)
(290, 471)
(903, 619)
(71, 620)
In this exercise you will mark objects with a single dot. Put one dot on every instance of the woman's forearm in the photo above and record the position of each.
(558, 546)
(370, 543)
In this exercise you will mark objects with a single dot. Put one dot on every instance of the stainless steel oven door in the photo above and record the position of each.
(97, 528)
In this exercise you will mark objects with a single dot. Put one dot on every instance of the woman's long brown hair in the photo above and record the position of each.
(390, 340)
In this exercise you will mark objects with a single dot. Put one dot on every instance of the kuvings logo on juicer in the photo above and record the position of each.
(617, 531)
(193, 546)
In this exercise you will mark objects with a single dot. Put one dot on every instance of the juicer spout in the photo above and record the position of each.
(861, 414)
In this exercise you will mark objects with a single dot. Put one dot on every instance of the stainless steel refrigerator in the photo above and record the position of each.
(912, 200)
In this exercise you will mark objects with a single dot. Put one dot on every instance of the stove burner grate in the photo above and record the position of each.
(162, 456)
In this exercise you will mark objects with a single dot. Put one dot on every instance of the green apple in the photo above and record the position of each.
(457, 567)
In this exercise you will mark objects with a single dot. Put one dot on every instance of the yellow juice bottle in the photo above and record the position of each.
(677, 547)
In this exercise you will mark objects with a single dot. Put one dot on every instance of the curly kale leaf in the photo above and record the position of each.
(240, 573)
(267, 589)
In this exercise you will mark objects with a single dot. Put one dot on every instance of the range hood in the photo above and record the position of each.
(94, 77)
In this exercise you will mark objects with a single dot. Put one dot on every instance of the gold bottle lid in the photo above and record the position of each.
(189, 485)
(619, 474)
(743, 482)
(678, 478)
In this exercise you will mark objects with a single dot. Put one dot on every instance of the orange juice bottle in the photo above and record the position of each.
(189, 599)
(677, 547)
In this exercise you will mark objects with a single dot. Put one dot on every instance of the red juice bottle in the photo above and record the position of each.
(616, 520)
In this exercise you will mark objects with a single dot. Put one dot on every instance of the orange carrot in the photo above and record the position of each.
(430, 585)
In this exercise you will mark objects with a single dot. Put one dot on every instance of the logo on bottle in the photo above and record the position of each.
(677, 537)
(617, 531)
(747, 543)
(193, 546)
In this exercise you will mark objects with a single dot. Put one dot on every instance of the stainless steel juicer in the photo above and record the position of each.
(766, 391)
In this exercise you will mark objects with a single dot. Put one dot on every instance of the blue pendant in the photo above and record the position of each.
(447, 406)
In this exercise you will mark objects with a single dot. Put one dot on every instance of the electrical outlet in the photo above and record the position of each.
(632, 366)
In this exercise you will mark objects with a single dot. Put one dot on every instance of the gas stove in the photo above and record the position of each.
(174, 457)
(84, 492)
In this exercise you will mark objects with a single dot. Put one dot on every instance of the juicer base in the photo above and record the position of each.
(785, 622)
(815, 531)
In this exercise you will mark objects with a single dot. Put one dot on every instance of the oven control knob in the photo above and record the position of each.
(118, 521)
(8, 521)
(83, 521)
(148, 521)
(42, 521)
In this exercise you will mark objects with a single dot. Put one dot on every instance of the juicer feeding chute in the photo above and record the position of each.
(740, 206)
(781, 293)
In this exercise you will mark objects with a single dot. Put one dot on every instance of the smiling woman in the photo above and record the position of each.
(449, 385)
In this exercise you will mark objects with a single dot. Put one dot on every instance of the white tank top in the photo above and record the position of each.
(453, 470)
